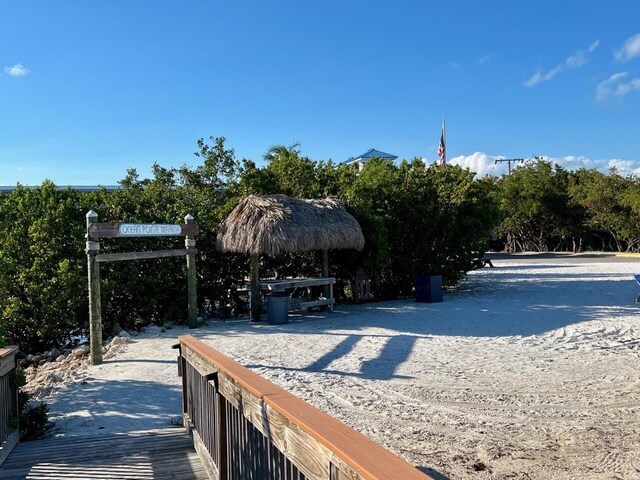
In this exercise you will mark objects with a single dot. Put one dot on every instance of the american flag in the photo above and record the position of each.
(442, 150)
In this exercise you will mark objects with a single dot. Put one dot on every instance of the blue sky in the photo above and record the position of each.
(89, 89)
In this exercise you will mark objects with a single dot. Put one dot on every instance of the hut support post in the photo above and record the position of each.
(328, 289)
(190, 243)
(255, 287)
(95, 308)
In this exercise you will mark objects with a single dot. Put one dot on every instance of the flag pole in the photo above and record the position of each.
(444, 134)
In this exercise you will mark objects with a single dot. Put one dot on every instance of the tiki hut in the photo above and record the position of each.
(275, 224)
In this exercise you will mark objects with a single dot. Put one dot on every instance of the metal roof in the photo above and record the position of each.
(369, 154)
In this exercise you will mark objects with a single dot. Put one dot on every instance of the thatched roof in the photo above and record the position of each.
(275, 224)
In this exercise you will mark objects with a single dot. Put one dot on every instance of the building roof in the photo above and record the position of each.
(78, 188)
(369, 154)
(275, 224)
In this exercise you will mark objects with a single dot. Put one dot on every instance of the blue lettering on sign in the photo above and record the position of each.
(149, 230)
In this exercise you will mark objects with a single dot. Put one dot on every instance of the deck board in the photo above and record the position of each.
(154, 454)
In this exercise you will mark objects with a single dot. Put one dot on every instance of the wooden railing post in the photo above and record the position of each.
(221, 421)
(9, 415)
(95, 309)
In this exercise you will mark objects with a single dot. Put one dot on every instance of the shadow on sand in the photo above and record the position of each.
(115, 406)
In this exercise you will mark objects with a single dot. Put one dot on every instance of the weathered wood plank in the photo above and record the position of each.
(8, 445)
(7, 359)
(280, 285)
(111, 230)
(205, 457)
(118, 257)
(298, 304)
(157, 454)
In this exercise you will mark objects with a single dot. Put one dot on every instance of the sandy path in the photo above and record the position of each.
(528, 371)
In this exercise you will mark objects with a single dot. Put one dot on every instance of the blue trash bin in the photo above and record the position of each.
(429, 288)
(278, 308)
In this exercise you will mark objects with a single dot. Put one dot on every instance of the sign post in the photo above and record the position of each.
(96, 230)
(95, 308)
(190, 245)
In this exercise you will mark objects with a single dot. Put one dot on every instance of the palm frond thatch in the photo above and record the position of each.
(275, 224)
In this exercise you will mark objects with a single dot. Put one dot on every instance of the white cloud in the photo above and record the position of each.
(542, 77)
(625, 88)
(629, 50)
(577, 60)
(18, 70)
(484, 164)
(481, 163)
(485, 59)
(614, 86)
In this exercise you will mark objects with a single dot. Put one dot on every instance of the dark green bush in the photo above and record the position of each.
(416, 219)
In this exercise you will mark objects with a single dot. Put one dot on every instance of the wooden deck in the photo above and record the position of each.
(155, 454)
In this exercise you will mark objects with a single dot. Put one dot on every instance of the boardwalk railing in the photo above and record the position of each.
(245, 427)
(8, 402)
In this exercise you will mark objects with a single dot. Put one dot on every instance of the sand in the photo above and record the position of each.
(527, 371)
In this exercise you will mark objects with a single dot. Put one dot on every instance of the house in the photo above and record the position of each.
(360, 160)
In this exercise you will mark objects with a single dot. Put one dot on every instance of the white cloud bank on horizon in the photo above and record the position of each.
(577, 60)
(18, 70)
(484, 164)
(629, 50)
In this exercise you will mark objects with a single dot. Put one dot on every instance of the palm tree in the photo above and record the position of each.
(282, 152)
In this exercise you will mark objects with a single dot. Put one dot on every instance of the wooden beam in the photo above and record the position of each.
(192, 300)
(111, 230)
(118, 257)
(325, 273)
(95, 307)
(255, 287)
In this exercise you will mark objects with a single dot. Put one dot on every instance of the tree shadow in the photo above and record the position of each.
(114, 406)
(493, 303)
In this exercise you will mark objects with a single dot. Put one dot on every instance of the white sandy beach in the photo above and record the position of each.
(527, 371)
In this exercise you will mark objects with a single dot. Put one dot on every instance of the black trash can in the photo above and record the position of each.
(429, 288)
(277, 308)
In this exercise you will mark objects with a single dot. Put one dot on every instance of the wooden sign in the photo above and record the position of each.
(149, 230)
(124, 230)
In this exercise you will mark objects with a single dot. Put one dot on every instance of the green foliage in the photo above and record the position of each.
(420, 220)
(34, 420)
(535, 203)
(42, 285)
(416, 219)
(18, 378)
(3, 341)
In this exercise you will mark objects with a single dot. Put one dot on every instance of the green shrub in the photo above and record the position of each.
(34, 419)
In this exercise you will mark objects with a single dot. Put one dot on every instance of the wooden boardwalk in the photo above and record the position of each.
(154, 454)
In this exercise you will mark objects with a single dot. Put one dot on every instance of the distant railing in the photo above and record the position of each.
(245, 427)
(8, 402)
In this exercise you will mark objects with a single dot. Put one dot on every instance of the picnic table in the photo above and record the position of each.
(308, 301)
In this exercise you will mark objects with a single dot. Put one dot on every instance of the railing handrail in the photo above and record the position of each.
(6, 351)
(8, 402)
(365, 457)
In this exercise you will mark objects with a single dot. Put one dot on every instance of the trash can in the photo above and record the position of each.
(277, 308)
(429, 288)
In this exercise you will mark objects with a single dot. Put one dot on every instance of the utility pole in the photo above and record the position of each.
(509, 160)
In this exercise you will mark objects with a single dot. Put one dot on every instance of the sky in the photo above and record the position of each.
(90, 89)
